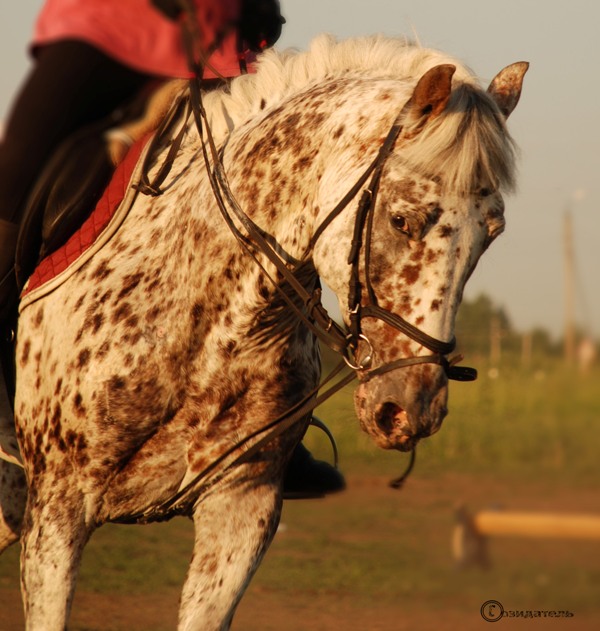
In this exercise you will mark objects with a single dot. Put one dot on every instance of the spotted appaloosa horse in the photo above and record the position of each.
(151, 360)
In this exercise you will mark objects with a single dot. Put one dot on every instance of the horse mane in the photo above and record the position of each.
(468, 143)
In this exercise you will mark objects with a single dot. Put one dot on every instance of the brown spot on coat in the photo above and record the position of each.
(445, 231)
(25, 352)
(410, 273)
(121, 312)
(39, 318)
(102, 271)
(130, 282)
(83, 358)
(78, 405)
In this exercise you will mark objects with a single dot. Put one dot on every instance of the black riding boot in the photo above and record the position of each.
(307, 477)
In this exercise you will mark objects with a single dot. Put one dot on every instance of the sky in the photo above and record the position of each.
(556, 125)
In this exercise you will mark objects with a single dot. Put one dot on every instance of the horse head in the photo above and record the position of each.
(429, 214)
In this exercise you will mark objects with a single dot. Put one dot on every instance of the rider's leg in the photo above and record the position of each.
(8, 241)
(306, 476)
(70, 86)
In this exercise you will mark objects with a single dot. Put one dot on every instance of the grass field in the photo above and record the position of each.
(373, 558)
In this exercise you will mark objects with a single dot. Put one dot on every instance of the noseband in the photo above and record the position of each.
(357, 311)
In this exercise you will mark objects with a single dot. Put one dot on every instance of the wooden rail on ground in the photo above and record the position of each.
(472, 531)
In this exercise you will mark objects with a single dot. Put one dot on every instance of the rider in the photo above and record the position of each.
(93, 58)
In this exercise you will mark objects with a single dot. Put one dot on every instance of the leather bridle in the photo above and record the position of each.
(356, 309)
(256, 242)
(311, 312)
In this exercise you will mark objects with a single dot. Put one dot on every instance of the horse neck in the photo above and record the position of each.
(286, 169)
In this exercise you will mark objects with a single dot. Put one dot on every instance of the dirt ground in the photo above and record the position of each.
(263, 609)
(264, 612)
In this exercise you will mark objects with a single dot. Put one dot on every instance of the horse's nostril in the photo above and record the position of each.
(389, 416)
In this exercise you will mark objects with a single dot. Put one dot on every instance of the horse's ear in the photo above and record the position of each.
(505, 87)
(431, 95)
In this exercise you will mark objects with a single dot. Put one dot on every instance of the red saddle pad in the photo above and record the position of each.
(100, 217)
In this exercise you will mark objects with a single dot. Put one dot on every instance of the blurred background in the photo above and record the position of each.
(523, 437)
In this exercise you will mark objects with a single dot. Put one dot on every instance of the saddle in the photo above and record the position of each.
(67, 191)
(78, 173)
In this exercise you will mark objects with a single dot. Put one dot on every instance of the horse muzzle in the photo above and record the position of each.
(398, 413)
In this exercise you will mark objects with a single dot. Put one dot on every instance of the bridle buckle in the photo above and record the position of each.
(367, 361)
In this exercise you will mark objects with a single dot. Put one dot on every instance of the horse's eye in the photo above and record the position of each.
(400, 224)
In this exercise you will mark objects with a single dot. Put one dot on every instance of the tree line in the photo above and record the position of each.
(483, 329)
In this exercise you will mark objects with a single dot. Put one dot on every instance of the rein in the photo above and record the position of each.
(313, 315)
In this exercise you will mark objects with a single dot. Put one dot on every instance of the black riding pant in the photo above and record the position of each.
(71, 86)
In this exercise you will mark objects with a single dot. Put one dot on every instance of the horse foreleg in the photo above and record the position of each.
(234, 527)
(54, 535)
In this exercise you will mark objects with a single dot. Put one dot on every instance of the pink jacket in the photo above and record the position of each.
(137, 35)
